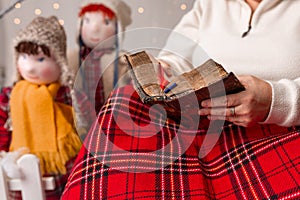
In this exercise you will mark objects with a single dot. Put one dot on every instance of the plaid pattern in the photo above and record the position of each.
(261, 162)
(63, 95)
(91, 61)
(5, 136)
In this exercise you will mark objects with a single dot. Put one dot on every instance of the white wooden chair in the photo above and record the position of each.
(32, 184)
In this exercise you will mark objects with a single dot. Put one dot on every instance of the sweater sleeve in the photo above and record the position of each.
(285, 104)
(182, 43)
(5, 134)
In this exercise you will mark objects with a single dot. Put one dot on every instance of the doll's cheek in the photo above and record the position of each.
(49, 74)
(83, 32)
(19, 71)
(87, 30)
(46, 72)
(85, 35)
(18, 64)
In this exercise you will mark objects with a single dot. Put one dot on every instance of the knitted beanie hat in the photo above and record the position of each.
(48, 32)
(119, 7)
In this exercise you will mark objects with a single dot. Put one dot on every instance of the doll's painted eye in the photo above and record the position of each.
(107, 21)
(41, 59)
(23, 56)
(86, 20)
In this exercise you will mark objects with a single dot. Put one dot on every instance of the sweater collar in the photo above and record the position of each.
(263, 6)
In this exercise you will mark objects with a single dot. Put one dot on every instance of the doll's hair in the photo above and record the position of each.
(32, 48)
(97, 8)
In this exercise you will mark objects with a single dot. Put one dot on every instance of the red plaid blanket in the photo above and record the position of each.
(134, 152)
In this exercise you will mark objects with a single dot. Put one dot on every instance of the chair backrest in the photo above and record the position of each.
(32, 184)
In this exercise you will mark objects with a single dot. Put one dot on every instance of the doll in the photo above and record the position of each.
(98, 53)
(36, 113)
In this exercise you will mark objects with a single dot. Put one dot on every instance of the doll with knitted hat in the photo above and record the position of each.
(98, 55)
(36, 113)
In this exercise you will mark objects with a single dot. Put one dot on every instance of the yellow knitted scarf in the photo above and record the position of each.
(44, 126)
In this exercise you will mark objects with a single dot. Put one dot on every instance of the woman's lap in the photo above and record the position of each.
(130, 155)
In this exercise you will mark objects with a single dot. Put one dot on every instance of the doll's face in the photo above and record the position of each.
(38, 69)
(96, 27)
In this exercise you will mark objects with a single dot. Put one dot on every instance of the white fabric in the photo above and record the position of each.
(270, 51)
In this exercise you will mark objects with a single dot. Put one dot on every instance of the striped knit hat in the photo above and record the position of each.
(48, 32)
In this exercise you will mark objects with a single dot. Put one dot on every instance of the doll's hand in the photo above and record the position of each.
(245, 108)
(9, 162)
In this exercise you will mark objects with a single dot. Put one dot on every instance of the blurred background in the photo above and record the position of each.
(146, 14)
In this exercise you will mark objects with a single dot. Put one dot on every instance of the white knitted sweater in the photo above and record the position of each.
(270, 50)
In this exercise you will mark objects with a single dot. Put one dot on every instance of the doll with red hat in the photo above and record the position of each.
(101, 30)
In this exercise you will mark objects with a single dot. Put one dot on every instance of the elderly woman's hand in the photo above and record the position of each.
(245, 108)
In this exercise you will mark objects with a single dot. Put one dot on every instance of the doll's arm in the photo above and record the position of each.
(85, 113)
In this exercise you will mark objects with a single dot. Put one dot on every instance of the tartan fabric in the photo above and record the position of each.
(91, 70)
(261, 162)
(5, 136)
(84, 52)
(63, 96)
